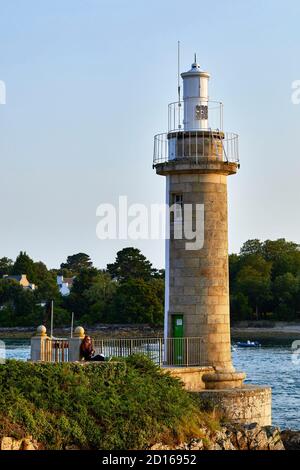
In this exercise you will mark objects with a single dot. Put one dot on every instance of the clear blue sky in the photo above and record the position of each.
(88, 83)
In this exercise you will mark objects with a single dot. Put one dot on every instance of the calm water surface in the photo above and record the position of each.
(271, 364)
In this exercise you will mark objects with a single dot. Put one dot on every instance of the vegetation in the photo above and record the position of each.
(265, 281)
(130, 290)
(127, 405)
(264, 284)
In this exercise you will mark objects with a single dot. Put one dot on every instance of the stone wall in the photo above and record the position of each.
(250, 404)
(190, 376)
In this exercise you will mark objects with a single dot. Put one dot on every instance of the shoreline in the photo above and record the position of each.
(279, 330)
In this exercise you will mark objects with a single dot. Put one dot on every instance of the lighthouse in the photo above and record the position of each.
(196, 156)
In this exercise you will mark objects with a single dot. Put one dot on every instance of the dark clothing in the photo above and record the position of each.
(87, 352)
(97, 358)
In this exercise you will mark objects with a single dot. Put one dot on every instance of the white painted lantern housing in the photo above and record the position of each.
(195, 98)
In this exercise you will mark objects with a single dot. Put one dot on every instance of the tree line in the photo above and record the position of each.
(265, 281)
(129, 290)
(264, 284)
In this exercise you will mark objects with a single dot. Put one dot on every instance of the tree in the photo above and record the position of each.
(251, 247)
(138, 301)
(130, 264)
(98, 297)
(5, 266)
(18, 306)
(255, 284)
(75, 263)
(47, 288)
(274, 249)
(76, 301)
(239, 307)
(24, 265)
(286, 289)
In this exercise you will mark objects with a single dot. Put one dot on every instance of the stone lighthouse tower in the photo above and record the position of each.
(196, 156)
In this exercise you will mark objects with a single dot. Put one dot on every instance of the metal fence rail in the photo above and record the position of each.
(163, 352)
(176, 115)
(194, 145)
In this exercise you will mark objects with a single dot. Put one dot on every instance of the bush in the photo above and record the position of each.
(128, 405)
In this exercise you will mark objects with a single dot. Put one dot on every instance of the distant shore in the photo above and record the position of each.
(243, 330)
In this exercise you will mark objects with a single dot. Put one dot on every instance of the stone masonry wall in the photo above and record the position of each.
(199, 278)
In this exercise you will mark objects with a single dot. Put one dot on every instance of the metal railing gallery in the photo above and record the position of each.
(173, 352)
(196, 145)
(163, 352)
(176, 115)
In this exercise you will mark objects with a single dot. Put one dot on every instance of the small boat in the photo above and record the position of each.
(248, 344)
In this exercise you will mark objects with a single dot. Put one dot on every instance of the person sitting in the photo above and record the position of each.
(87, 351)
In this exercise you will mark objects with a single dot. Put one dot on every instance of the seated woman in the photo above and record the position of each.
(87, 352)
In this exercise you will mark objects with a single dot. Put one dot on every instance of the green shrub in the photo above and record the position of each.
(128, 405)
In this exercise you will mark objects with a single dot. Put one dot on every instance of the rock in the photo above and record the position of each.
(16, 445)
(238, 437)
(196, 444)
(27, 443)
(6, 443)
(290, 439)
(159, 446)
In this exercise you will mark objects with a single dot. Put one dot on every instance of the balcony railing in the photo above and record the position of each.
(55, 350)
(176, 115)
(195, 145)
(163, 352)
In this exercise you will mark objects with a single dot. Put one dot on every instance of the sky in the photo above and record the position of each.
(87, 88)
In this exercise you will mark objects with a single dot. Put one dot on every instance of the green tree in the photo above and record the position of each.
(239, 307)
(251, 247)
(274, 249)
(138, 301)
(5, 266)
(75, 263)
(76, 302)
(24, 265)
(18, 306)
(254, 281)
(286, 289)
(130, 264)
(47, 288)
(98, 297)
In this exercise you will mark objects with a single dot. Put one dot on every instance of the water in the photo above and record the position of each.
(269, 365)
(272, 365)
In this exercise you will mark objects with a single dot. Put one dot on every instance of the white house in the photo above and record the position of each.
(65, 284)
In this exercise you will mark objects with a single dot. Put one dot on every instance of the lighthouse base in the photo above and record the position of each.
(246, 405)
(223, 380)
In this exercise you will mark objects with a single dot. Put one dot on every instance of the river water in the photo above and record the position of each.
(270, 364)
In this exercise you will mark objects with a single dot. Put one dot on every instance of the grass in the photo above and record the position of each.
(129, 405)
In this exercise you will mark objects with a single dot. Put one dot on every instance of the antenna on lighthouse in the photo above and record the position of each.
(178, 72)
(178, 85)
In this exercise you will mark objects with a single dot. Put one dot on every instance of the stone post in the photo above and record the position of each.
(39, 343)
(74, 344)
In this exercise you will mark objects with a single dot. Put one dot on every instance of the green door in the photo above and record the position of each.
(177, 347)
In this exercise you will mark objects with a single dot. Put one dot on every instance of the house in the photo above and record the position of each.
(64, 284)
(21, 279)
